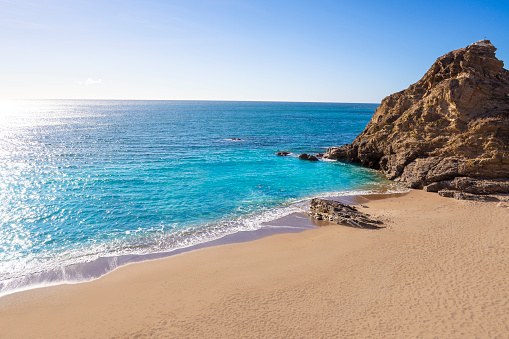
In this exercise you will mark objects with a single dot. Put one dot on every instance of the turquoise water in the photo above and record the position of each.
(82, 180)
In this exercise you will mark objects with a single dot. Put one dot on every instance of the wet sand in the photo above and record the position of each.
(439, 269)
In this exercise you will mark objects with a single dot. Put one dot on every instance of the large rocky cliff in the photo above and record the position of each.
(449, 130)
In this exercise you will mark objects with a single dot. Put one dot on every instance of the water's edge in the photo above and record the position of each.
(295, 221)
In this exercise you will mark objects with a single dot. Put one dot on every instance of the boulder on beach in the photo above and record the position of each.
(340, 213)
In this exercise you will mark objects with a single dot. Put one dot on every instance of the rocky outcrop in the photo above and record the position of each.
(340, 213)
(446, 130)
(470, 185)
(469, 196)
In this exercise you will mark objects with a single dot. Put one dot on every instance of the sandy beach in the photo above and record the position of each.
(439, 269)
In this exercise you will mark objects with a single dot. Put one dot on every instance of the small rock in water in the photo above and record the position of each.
(308, 157)
(235, 139)
(282, 154)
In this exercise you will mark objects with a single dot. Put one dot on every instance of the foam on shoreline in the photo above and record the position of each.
(285, 219)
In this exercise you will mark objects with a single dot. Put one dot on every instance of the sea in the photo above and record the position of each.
(87, 186)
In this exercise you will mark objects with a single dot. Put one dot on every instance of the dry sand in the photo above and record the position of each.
(440, 269)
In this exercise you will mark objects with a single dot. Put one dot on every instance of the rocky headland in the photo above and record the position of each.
(448, 132)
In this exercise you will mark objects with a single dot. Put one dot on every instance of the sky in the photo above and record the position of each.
(315, 51)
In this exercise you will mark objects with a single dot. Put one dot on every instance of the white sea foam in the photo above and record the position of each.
(76, 267)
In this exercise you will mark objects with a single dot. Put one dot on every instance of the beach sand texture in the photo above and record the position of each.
(439, 269)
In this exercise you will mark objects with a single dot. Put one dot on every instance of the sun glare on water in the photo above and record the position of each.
(20, 114)
(13, 108)
(7, 106)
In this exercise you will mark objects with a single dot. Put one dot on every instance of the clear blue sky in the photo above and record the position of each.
(337, 51)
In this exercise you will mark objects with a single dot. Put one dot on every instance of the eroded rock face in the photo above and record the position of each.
(454, 122)
(469, 196)
(470, 185)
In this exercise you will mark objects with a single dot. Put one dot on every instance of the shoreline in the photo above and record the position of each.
(84, 272)
(437, 269)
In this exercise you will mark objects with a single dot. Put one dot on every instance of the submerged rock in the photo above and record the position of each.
(282, 154)
(309, 157)
(449, 130)
(340, 213)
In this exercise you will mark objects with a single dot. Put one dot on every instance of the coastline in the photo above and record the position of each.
(283, 219)
(437, 269)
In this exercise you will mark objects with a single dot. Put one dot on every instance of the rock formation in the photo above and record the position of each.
(309, 157)
(340, 213)
(282, 154)
(448, 131)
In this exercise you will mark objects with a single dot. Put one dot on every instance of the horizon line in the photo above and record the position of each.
(215, 100)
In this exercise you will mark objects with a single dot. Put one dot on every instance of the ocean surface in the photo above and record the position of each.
(84, 183)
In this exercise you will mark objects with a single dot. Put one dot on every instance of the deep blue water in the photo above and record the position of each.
(86, 179)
